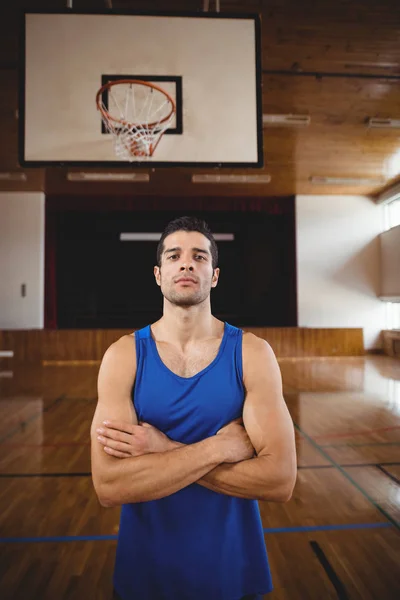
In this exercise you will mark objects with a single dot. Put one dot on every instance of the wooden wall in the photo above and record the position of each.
(82, 345)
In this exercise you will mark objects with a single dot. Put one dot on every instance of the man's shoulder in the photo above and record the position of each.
(122, 349)
(253, 342)
(256, 348)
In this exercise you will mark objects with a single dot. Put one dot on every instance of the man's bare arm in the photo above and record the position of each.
(149, 476)
(272, 474)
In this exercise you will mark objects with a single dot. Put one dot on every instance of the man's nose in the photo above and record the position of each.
(186, 266)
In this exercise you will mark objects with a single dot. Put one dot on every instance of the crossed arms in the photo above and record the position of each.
(224, 463)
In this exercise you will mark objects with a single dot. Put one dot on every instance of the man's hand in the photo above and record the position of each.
(124, 440)
(239, 444)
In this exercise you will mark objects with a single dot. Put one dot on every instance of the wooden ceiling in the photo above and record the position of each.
(335, 60)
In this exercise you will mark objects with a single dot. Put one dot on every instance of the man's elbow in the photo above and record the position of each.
(285, 495)
(106, 495)
(106, 501)
(286, 490)
(280, 493)
(103, 496)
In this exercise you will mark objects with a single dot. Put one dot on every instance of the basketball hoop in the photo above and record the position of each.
(137, 115)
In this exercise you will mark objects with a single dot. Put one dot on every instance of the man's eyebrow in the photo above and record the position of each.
(200, 250)
(172, 250)
(177, 249)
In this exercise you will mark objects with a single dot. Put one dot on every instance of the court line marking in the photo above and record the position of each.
(72, 400)
(350, 445)
(392, 477)
(35, 416)
(329, 570)
(351, 433)
(347, 476)
(88, 474)
(300, 528)
(20, 475)
(351, 465)
(78, 444)
(96, 538)
(58, 445)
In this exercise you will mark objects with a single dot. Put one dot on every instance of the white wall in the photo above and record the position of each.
(338, 264)
(21, 260)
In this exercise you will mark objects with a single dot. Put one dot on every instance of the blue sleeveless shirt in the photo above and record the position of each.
(195, 544)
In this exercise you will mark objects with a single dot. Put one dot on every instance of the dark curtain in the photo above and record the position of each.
(56, 206)
(50, 293)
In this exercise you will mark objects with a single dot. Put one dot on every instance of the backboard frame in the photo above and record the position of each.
(259, 163)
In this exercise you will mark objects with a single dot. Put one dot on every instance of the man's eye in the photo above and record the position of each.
(200, 256)
(173, 256)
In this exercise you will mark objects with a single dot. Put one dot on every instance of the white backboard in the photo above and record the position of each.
(208, 62)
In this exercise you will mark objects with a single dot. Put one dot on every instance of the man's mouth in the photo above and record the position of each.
(186, 280)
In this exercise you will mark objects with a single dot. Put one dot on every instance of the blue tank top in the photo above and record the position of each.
(195, 543)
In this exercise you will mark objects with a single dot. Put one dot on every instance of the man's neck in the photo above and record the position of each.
(182, 326)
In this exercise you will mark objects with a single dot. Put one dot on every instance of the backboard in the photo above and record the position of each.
(209, 63)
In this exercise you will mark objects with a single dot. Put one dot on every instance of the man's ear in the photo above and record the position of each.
(215, 277)
(157, 275)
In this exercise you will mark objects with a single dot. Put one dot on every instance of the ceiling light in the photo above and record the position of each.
(384, 123)
(82, 176)
(8, 374)
(155, 237)
(13, 176)
(139, 237)
(345, 181)
(231, 178)
(287, 120)
(392, 299)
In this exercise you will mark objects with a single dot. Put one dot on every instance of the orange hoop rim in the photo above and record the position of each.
(109, 117)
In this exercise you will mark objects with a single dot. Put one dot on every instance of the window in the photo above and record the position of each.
(392, 219)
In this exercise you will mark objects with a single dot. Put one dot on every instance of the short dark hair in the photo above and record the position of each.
(188, 224)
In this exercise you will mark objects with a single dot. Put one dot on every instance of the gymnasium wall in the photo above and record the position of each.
(21, 260)
(338, 264)
(338, 277)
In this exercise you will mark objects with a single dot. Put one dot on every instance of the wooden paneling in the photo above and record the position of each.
(304, 341)
(356, 41)
(83, 345)
(352, 36)
(333, 101)
(287, 177)
(35, 182)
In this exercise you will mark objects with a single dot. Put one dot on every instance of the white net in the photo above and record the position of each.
(137, 115)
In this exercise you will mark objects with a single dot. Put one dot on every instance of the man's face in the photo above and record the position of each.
(186, 275)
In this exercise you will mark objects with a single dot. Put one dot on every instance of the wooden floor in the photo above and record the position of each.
(337, 538)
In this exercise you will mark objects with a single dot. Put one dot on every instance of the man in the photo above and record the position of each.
(190, 430)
